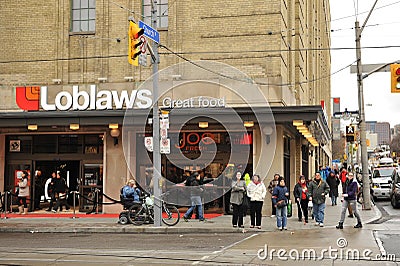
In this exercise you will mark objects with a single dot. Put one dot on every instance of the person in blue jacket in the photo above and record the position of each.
(349, 198)
(280, 196)
(131, 191)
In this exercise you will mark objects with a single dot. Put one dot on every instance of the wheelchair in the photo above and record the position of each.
(127, 203)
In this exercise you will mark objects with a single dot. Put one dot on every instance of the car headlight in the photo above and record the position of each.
(375, 185)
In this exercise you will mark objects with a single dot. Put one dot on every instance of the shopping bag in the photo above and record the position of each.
(289, 209)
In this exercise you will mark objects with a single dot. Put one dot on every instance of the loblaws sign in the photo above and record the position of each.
(32, 98)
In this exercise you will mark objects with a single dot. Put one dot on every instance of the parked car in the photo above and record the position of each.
(382, 179)
(395, 192)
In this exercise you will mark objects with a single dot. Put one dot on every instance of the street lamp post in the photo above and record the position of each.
(156, 125)
(362, 124)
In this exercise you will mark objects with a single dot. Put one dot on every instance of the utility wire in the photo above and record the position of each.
(250, 81)
(188, 53)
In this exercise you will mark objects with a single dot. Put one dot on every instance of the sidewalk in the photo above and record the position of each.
(99, 223)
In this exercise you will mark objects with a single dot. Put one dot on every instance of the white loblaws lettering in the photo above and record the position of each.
(144, 100)
(119, 100)
(43, 100)
(104, 103)
(77, 94)
(68, 101)
(93, 100)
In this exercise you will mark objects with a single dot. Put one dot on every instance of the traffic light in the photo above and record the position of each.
(134, 43)
(350, 133)
(395, 77)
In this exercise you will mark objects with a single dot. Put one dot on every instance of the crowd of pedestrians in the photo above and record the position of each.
(308, 194)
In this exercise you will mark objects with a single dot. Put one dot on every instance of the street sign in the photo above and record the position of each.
(150, 32)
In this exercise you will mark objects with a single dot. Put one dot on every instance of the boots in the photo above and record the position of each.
(20, 209)
(358, 225)
(339, 226)
(25, 211)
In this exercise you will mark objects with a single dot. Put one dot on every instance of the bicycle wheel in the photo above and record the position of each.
(137, 214)
(170, 214)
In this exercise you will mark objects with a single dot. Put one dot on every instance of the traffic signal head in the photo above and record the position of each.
(134, 43)
(395, 77)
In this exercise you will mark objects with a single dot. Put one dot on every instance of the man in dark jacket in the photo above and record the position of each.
(195, 197)
(349, 198)
(318, 190)
(60, 189)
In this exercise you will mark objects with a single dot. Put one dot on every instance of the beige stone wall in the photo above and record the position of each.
(265, 39)
(282, 44)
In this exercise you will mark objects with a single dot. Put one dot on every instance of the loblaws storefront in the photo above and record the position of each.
(99, 136)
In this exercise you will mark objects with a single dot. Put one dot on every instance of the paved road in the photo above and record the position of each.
(387, 230)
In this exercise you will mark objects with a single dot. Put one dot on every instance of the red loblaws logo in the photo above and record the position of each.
(28, 98)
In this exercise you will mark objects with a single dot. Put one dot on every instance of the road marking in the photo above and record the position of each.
(380, 243)
(234, 244)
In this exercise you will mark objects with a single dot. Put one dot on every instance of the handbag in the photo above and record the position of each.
(246, 201)
(281, 204)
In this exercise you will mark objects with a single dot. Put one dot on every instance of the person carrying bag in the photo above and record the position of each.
(237, 196)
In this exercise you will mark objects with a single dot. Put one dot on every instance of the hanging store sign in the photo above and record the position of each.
(35, 97)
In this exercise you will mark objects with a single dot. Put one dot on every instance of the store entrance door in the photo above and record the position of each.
(69, 170)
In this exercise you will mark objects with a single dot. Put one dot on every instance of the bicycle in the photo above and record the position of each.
(140, 213)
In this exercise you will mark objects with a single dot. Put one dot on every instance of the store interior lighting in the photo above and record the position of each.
(74, 126)
(203, 124)
(32, 127)
(248, 123)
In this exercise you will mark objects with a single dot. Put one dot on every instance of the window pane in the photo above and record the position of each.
(76, 26)
(92, 13)
(147, 11)
(92, 25)
(84, 3)
(76, 15)
(164, 10)
(76, 4)
(92, 3)
(164, 22)
(146, 2)
(84, 26)
(85, 14)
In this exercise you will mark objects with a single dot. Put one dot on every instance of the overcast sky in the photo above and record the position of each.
(382, 30)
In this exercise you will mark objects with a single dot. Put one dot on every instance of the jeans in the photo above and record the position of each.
(196, 202)
(353, 205)
(319, 212)
(334, 200)
(281, 217)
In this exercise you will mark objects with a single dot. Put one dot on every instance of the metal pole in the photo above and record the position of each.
(6, 204)
(156, 126)
(97, 200)
(362, 124)
(74, 203)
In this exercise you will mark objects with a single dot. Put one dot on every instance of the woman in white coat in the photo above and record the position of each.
(256, 190)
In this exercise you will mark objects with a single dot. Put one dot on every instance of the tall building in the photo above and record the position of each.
(382, 129)
(72, 101)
